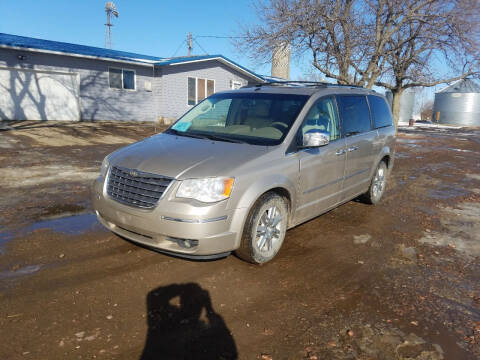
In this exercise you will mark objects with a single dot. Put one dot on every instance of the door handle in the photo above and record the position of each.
(340, 152)
(353, 148)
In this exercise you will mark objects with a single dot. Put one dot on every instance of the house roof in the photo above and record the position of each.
(462, 86)
(63, 48)
(23, 42)
(221, 58)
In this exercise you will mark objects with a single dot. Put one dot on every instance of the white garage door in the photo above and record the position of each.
(38, 95)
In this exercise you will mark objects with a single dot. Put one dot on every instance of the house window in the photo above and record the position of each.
(115, 77)
(210, 87)
(199, 89)
(129, 79)
(121, 78)
(192, 94)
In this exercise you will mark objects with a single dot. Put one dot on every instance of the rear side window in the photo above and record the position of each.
(380, 112)
(354, 114)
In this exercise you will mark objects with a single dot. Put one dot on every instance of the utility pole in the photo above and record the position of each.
(189, 43)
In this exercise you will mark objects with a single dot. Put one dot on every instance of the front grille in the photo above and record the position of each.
(136, 188)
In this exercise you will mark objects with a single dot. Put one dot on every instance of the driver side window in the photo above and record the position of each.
(323, 116)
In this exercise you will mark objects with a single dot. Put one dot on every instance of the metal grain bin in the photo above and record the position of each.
(407, 102)
(458, 104)
(406, 106)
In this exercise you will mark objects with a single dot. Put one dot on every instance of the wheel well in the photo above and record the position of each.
(279, 191)
(386, 159)
(283, 193)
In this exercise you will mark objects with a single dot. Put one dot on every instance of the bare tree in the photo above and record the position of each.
(327, 29)
(396, 44)
(438, 34)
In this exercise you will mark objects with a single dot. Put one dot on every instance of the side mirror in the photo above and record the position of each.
(315, 138)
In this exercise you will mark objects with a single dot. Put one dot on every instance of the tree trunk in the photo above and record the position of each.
(397, 94)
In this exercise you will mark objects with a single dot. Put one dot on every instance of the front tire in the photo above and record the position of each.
(264, 230)
(377, 186)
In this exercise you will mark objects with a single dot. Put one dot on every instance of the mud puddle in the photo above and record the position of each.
(401, 155)
(462, 229)
(410, 142)
(14, 273)
(68, 225)
(4, 238)
(447, 192)
(435, 167)
(62, 211)
(459, 150)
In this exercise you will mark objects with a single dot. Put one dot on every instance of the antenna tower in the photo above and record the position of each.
(110, 9)
(189, 43)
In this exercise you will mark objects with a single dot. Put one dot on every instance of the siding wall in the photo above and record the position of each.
(157, 88)
(167, 99)
(97, 100)
(173, 99)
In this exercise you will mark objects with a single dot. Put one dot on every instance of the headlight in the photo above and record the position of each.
(206, 190)
(105, 165)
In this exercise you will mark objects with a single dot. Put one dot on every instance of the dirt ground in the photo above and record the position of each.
(399, 280)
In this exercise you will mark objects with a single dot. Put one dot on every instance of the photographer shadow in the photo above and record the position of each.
(183, 325)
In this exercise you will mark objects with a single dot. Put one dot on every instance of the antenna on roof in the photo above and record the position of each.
(189, 43)
(110, 9)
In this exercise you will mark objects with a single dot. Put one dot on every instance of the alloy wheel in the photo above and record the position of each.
(379, 182)
(268, 230)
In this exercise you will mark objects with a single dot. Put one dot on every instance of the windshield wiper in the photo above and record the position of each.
(224, 138)
(183, 133)
(206, 136)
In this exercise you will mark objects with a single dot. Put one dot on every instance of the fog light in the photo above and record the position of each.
(189, 243)
(184, 243)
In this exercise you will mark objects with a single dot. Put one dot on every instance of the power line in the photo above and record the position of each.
(190, 38)
(221, 37)
(176, 51)
(200, 46)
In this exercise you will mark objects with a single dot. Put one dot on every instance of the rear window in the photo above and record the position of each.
(380, 111)
(354, 114)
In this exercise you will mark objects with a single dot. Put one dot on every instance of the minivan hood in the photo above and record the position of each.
(183, 157)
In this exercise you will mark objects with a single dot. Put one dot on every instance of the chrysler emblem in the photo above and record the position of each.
(133, 173)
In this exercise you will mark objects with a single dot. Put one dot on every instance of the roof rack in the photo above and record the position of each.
(304, 83)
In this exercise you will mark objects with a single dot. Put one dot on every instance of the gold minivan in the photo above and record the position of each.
(243, 166)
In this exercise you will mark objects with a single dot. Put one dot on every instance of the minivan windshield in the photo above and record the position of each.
(253, 118)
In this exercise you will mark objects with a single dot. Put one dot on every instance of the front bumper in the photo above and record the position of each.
(172, 224)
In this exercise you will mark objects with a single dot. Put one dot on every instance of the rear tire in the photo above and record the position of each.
(264, 230)
(377, 185)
